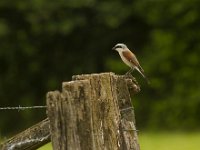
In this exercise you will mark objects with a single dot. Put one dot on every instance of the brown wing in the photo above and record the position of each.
(131, 58)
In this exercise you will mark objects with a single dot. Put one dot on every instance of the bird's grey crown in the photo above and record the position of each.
(120, 45)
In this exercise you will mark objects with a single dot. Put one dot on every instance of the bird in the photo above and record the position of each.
(129, 59)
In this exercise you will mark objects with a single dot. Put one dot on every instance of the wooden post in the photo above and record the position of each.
(93, 112)
(30, 139)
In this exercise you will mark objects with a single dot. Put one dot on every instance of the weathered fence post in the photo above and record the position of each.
(93, 112)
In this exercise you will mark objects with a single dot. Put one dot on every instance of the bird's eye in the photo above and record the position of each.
(118, 46)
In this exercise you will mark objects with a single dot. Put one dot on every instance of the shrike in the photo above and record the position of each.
(129, 59)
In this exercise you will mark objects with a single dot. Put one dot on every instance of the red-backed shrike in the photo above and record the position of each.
(129, 59)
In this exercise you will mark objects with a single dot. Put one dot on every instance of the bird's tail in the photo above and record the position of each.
(141, 71)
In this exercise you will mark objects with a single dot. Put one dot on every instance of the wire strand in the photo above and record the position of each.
(22, 107)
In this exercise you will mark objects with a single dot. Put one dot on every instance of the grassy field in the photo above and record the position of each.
(163, 141)
(169, 141)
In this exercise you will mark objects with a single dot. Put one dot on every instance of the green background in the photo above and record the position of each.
(44, 42)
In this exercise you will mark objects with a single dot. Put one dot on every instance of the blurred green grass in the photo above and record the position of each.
(162, 141)
(169, 141)
(46, 147)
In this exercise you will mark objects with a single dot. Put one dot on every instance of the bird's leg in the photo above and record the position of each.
(129, 72)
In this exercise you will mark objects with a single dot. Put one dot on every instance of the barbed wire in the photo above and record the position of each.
(126, 109)
(22, 107)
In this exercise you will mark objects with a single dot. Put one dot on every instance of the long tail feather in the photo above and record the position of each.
(141, 71)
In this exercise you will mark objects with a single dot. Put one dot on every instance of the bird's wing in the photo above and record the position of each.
(131, 58)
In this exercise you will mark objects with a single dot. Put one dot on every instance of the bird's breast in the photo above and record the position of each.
(127, 62)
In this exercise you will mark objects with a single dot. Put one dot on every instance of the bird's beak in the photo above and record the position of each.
(113, 48)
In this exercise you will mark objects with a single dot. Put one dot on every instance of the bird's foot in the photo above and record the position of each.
(129, 72)
(128, 75)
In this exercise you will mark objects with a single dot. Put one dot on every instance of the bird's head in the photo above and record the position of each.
(119, 47)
